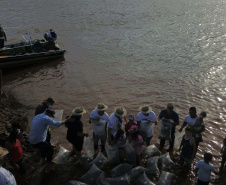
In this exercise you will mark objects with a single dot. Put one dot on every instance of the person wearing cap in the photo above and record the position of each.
(115, 122)
(6, 177)
(49, 102)
(145, 119)
(75, 133)
(136, 141)
(2, 37)
(38, 133)
(169, 114)
(51, 35)
(13, 145)
(99, 119)
(129, 124)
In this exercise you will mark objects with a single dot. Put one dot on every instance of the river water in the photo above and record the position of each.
(126, 53)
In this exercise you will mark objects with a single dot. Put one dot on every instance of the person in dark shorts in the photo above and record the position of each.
(75, 133)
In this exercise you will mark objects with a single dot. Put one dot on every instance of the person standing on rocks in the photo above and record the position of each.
(99, 119)
(6, 177)
(169, 114)
(49, 102)
(38, 133)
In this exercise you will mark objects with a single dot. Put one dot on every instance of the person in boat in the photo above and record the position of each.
(38, 133)
(6, 177)
(145, 118)
(75, 133)
(49, 102)
(51, 35)
(169, 114)
(37, 46)
(115, 122)
(2, 37)
(99, 119)
(13, 145)
(190, 121)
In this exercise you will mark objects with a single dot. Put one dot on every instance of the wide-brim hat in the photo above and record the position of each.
(145, 109)
(77, 111)
(101, 107)
(3, 152)
(120, 111)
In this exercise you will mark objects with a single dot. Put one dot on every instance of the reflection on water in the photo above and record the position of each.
(127, 53)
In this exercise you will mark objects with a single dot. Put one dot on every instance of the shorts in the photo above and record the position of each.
(187, 160)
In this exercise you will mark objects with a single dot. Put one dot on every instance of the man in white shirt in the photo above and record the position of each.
(190, 120)
(6, 177)
(115, 122)
(145, 119)
(99, 119)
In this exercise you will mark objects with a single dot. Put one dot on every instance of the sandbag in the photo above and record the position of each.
(165, 129)
(122, 180)
(88, 147)
(91, 176)
(85, 162)
(101, 180)
(130, 154)
(113, 155)
(120, 170)
(152, 165)
(58, 115)
(73, 182)
(167, 163)
(166, 178)
(151, 151)
(143, 180)
(62, 156)
(100, 160)
(178, 139)
(136, 172)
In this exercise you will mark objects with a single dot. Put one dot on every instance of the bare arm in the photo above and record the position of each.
(184, 125)
(194, 147)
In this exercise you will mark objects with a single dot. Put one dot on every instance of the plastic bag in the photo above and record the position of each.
(121, 170)
(58, 115)
(91, 176)
(167, 163)
(113, 155)
(151, 151)
(178, 139)
(73, 182)
(100, 160)
(122, 180)
(130, 154)
(166, 178)
(88, 147)
(152, 165)
(143, 180)
(145, 128)
(62, 156)
(165, 129)
(85, 162)
(136, 172)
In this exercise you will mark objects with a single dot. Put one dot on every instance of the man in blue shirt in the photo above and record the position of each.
(169, 114)
(38, 133)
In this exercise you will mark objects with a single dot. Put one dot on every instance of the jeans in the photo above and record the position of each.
(46, 150)
(96, 139)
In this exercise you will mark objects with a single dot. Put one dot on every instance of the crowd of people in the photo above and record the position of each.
(137, 131)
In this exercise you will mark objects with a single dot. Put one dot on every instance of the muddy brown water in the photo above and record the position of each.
(126, 53)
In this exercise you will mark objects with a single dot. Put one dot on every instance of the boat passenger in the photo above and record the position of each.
(2, 37)
(50, 36)
(99, 119)
(115, 122)
(145, 119)
(37, 47)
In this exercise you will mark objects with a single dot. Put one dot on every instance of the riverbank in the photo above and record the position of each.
(13, 114)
